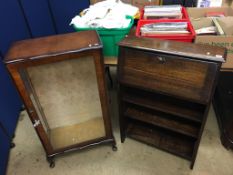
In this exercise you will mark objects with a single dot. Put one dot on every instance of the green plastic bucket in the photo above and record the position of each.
(110, 37)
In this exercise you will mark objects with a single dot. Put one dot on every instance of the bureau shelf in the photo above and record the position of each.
(164, 93)
(163, 139)
(163, 120)
(184, 109)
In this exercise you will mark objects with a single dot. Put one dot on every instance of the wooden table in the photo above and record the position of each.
(110, 61)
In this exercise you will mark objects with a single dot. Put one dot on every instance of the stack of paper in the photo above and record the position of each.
(166, 11)
(107, 14)
(164, 28)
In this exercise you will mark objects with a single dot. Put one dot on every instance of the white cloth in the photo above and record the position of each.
(106, 14)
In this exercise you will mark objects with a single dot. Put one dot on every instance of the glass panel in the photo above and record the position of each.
(67, 100)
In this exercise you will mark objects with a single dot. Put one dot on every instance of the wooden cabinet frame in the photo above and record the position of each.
(165, 91)
(52, 50)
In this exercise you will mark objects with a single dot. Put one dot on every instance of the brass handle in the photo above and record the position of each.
(161, 59)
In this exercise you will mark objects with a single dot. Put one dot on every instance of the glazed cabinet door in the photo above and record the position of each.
(65, 102)
(61, 81)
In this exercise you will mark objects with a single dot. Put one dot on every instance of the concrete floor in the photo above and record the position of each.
(132, 157)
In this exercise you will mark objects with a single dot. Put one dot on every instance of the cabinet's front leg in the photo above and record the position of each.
(51, 161)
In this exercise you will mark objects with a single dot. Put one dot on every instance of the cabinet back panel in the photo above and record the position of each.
(68, 99)
(188, 110)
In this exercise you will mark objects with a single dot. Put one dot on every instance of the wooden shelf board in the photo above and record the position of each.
(175, 145)
(70, 135)
(163, 122)
(166, 107)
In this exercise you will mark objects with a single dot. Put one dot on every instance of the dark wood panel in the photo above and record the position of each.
(184, 109)
(52, 46)
(163, 120)
(195, 51)
(165, 92)
(169, 142)
(178, 76)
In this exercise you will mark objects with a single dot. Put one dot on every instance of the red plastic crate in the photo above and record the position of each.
(177, 37)
(183, 10)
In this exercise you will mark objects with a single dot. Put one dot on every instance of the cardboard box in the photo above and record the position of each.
(227, 3)
(138, 3)
(201, 12)
(215, 40)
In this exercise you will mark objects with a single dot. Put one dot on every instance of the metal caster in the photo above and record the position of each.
(114, 147)
(51, 162)
(12, 145)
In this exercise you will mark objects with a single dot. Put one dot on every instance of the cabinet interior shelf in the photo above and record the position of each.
(163, 120)
(184, 109)
(168, 141)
